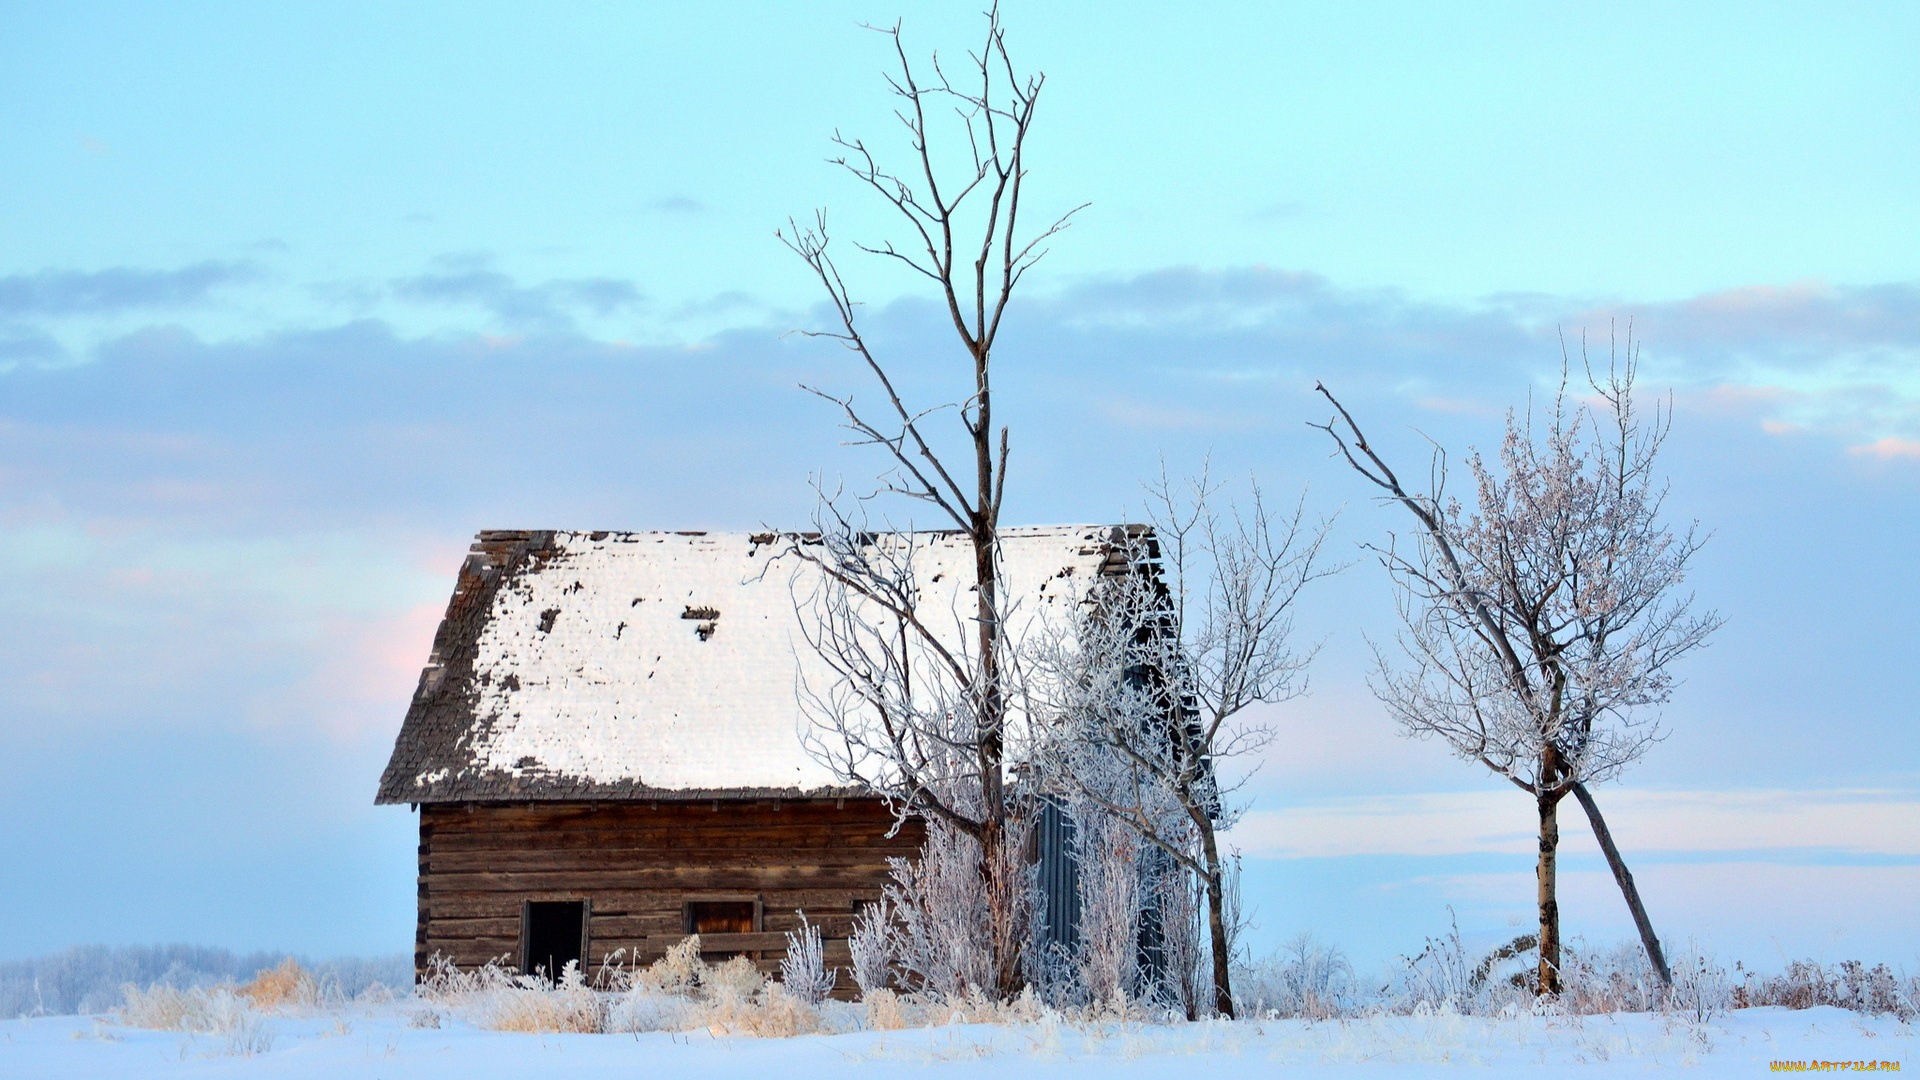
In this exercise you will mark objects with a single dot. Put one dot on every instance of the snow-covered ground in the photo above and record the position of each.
(379, 1042)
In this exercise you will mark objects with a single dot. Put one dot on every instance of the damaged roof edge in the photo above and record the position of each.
(440, 754)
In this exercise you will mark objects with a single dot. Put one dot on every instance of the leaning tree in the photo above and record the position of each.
(1541, 622)
(919, 713)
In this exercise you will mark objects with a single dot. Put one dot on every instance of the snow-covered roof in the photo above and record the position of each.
(655, 665)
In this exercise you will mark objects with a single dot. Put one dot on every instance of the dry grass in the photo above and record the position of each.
(1850, 984)
(289, 984)
(681, 992)
(495, 997)
(236, 1014)
(217, 1011)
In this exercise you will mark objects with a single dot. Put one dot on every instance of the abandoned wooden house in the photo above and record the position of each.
(605, 747)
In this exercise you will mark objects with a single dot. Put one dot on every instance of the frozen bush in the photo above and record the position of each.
(215, 1011)
(941, 905)
(495, 997)
(884, 1011)
(1305, 979)
(1851, 984)
(1701, 988)
(642, 1010)
(1109, 952)
(289, 984)
(88, 978)
(804, 971)
(1608, 980)
(1438, 976)
(872, 946)
(678, 972)
(735, 979)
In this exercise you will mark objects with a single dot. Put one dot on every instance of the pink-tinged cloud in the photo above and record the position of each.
(1801, 317)
(1887, 449)
(1743, 399)
(362, 678)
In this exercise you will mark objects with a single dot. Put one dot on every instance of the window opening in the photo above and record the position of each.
(710, 917)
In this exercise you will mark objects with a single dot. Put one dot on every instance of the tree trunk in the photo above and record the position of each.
(1548, 877)
(1003, 894)
(1000, 868)
(1217, 924)
(1627, 888)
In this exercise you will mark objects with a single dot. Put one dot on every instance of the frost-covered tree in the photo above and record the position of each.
(1151, 688)
(918, 713)
(1541, 621)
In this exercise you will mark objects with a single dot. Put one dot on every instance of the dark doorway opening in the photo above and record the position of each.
(552, 934)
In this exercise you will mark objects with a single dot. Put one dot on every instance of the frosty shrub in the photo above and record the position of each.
(1185, 976)
(639, 1010)
(215, 1011)
(531, 1003)
(1108, 961)
(883, 1010)
(872, 947)
(941, 904)
(733, 979)
(88, 978)
(289, 984)
(1850, 984)
(669, 995)
(804, 971)
(1701, 988)
(1447, 976)
(1304, 979)
(1619, 979)
(496, 997)
(678, 972)
(1438, 976)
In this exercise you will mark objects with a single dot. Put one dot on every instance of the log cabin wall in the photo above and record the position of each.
(640, 864)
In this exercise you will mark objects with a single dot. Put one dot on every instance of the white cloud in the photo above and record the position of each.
(1879, 822)
(1888, 448)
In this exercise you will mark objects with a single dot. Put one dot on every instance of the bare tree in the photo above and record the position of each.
(1540, 624)
(1152, 686)
(919, 716)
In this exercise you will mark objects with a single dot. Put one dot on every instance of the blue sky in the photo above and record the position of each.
(294, 301)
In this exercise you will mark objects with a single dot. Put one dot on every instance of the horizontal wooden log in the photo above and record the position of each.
(713, 835)
(622, 859)
(667, 906)
(639, 865)
(656, 879)
(502, 926)
(483, 947)
(454, 820)
(721, 942)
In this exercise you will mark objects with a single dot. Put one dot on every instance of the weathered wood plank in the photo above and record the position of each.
(484, 818)
(659, 879)
(666, 906)
(640, 864)
(721, 942)
(710, 839)
(610, 860)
